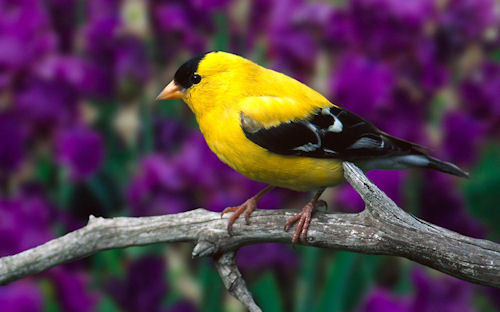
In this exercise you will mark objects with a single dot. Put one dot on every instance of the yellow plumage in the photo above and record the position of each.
(270, 98)
(274, 129)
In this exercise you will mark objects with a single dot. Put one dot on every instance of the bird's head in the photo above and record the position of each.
(207, 79)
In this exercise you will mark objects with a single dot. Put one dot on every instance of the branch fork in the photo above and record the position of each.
(382, 228)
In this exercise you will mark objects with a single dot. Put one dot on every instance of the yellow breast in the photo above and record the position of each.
(226, 139)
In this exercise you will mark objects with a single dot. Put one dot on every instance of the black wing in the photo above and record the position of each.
(331, 132)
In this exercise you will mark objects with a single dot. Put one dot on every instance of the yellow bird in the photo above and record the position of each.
(274, 129)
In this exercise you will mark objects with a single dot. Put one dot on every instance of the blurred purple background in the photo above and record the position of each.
(80, 134)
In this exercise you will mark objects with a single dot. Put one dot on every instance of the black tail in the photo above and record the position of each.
(445, 167)
(416, 157)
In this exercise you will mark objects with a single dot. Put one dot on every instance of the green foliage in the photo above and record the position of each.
(334, 291)
(266, 293)
(481, 191)
(107, 305)
(107, 263)
(496, 56)
(221, 38)
(212, 287)
(49, 294)
(349, 276)
(308, 276)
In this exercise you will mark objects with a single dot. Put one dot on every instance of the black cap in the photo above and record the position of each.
(183, 76)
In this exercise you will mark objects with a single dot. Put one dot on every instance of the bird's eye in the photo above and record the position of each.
(196, 78)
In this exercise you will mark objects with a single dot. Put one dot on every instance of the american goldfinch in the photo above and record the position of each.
(274, 129)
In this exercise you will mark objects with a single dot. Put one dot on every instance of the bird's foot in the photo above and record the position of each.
(247, 207)
(304, 219)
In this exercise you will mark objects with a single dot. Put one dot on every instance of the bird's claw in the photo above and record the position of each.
(247, 207)
(304, 219)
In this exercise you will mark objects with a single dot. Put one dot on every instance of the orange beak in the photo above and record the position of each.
(171, 91)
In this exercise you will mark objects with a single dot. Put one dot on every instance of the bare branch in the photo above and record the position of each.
(382, 228)
(234, 282)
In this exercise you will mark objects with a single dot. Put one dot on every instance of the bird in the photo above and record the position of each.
(274, 129)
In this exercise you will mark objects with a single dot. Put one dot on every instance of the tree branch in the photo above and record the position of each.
(234, 282)
(382, 228)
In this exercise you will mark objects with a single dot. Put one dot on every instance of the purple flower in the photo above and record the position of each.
(444, 206)
(462, 138)
(144, 287)
(481, 98)
(22, 295)
(448, 293)
(72, 290)
(172, 18)
(182, 306)
(30, 212)
(169, 133)
(389, 106)
(158, 188)
(315, 16)
(99, 83)
(462, 23)
(292, 48)
(25, 37)
(380, 300)
(179, 26)
(12, 142)
(101, 42)
(208, 5)
(258, 21)
(275, 256)
(131, 66)
(348, 200)
(117, 61)
(493, 294)
(199, 164)
(80, 150)
(293, 52)
(77, 77)
(387, 27)
(467, 20)
(74, 73)
(431, 73)
(98, 9)
(390, 182)
(340, 31)
(63, 16)
(46, 104)
(405, 119)
(162, 202)
(376, 78)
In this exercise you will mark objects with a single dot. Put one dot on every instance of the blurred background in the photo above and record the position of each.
(81, 134)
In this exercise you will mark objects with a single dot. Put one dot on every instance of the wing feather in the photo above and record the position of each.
(324, 132)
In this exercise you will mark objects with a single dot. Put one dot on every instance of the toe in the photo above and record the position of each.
(228, 209)
(292, 220)
(321, 203)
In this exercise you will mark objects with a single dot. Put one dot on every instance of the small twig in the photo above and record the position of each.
(234, 282)
(382, 228)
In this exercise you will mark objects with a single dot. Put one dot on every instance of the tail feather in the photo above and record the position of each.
(424, 161)
(413, 160)
(402, 154)
(445, 167)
